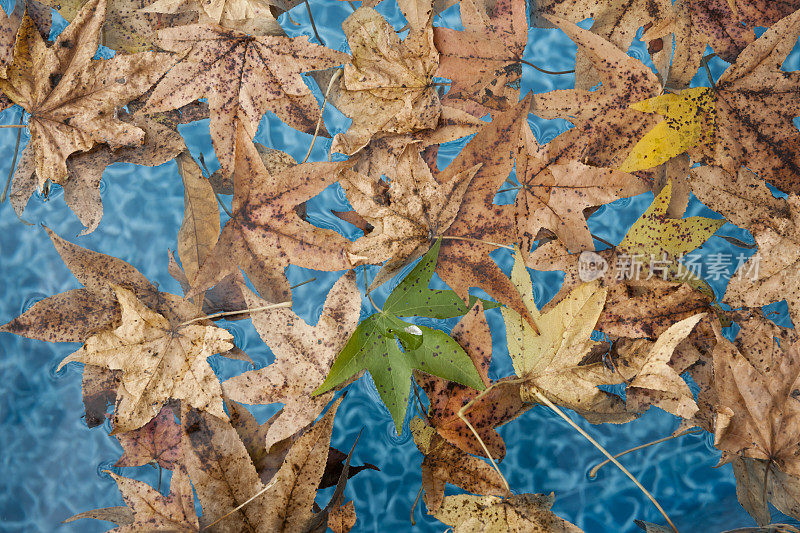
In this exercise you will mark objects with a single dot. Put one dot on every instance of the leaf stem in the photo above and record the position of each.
(313, 25)
(595, 237)
(303, 283)
(554, 72)
(239, 312)
(14, 160)
(13, 126)
(470, 239)
(253, 497)
(319, 120)
(542, 398)
(593, 471)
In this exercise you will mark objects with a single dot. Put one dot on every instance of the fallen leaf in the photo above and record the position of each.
(73, 99)
(303, 356)
(444, 463)
(230, 69)
(157, 441)
(519, 513)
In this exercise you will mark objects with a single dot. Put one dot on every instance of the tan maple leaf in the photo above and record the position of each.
(387, 88)
(303, 357)
(265, 233)
(484, 60)
(444, 463)
(417, 210)
(725, 25)
(159, 360)
(148, 509)
(85, 169)
(243, 77)
(616, 21)
(224, 476)
(73, 99)
(520, 513)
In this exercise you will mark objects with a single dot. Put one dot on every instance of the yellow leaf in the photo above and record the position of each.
(688, 121)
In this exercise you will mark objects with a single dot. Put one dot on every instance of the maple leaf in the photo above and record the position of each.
(373, 346)
(230, 69)
(85, 169)
(99, 386)
(148, 509)
(757, 409)
(494, 407)
(754, 103)
(605, 128)
(444, 463)
(303, 356)
(550, 362)
(224, 476)
(518, 513)
(554, 196)
(615, 21)
(73, 99)
(243, 15)
(480, 225)
(726, 25)
(484, 60)
(157, 441)
(126, 27)
(343, 518)
(159, 360)
(418, 209)
(387, 88)
(656, 382)
(781, 490)
(264, 233)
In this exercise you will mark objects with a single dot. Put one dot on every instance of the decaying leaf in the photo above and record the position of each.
(157, 441)
(523, 513)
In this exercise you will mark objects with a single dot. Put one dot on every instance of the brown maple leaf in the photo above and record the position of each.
(250, 16)
(126, 28)
(480, 225)
(265, 233)
(224, 476)
(388, 86)
(484, 61)
(159, 360)
(757, 484)
(303, 357)
(444, 463)
(554, 196)
(495, 407)
(242, 76)
(73, 99)
(416, 211)
(726, 25)
(149, 510)
(616, 21)
(343, 518)
(157, 441)
(605, 129)
(85, 169)
(755, 102)
(757, 408)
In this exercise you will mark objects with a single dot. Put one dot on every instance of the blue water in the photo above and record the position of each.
(52, 464)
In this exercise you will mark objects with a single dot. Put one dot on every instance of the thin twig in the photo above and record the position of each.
(13, 126)
(603, 241)
(542, 398)
(239, 312)
(470, 239)
(216, 194)
(366, 289)
(319, 121)
(593, 471)
(14, 160)
(256, 495)
(413, 507)
(556, 73)
(313, 25)
(303, 283)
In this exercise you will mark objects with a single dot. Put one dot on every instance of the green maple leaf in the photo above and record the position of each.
(374, 347)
